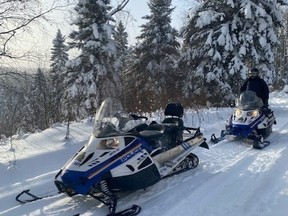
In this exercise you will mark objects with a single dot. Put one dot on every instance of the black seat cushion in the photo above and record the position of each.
(174, 121)
(174, 109)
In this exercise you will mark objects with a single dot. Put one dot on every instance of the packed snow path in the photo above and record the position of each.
(232, 178)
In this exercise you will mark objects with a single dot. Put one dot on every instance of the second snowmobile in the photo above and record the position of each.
(123, 155)
(250, 120)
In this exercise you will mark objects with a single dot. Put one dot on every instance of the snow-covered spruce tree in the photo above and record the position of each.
(121, 38)
(125, 62)
(59, 57)
(39, 102)
(281, 54)
(156, 54)
(129, 80)
(222, 40)
(92, 76)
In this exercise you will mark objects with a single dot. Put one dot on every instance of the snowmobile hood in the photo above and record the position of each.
(95, 161)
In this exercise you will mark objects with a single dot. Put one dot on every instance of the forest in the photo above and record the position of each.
(201, 65)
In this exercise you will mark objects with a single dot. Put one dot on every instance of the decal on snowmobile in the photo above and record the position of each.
(131, 153)
(121, 158)
(186, 146)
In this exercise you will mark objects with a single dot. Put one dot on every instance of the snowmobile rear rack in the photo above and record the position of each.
(197, 134)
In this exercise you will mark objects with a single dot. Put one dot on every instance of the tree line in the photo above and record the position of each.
(201, 65)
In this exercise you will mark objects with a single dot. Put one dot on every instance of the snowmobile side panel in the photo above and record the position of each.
(169, 160)
(265, 132)
(143, 179)
(178, 150)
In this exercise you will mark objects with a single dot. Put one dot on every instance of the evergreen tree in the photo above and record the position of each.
(59, 57)
(130, 81)
(222, 40)
(123, 60)
(39, 102)
(93, 75)
(281, 54)
(121, 38)
(156, 54)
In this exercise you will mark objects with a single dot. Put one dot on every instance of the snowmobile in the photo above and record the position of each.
(250, 120)
(124, 153)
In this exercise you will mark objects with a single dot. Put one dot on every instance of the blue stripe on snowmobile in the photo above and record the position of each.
(185, 146)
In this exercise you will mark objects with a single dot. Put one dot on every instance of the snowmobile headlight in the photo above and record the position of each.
(238, 113)
(253, 113)
(80, 157)
(112, 143)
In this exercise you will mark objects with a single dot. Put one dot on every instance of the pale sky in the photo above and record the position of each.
(41, 42)
(139, 8)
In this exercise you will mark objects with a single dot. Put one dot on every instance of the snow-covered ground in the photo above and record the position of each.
(232, 179)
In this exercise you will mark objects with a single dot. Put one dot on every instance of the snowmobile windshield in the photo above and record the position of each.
(248, 100)
(111, 119)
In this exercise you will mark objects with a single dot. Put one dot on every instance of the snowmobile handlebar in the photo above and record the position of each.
(188, 129)
(136, 117)
(191, 128)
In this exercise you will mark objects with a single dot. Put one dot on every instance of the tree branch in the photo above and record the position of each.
(28, 21)
(119, 7)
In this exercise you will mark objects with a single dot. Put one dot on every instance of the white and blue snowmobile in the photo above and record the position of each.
(126, 154)
(250, 120)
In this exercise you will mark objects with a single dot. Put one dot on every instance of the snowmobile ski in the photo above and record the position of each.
(134, 210)
(31, 197)
(215, 139)
(261, 145)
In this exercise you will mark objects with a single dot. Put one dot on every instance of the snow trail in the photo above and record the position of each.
(232, 178)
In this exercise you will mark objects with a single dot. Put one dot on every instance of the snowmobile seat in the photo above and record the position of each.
(158, 135)
(174, 121)
(138, 128)
(153, 131)
(175, 113)
(174, 109)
